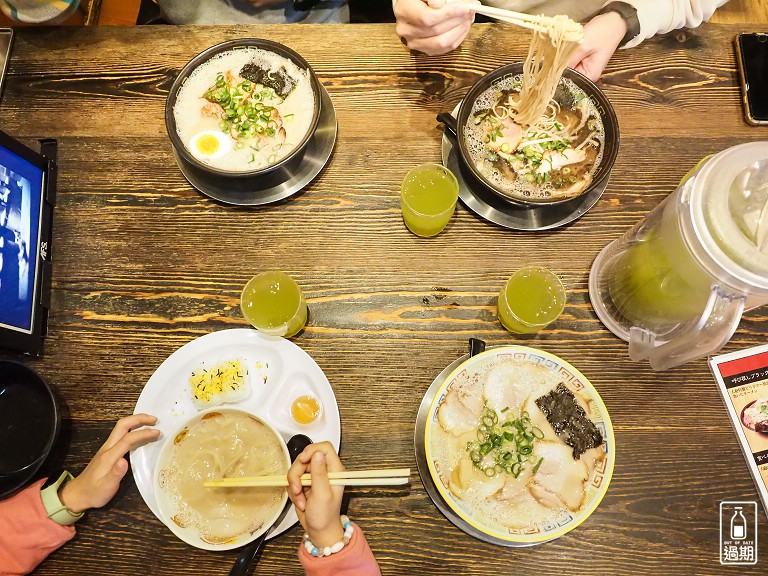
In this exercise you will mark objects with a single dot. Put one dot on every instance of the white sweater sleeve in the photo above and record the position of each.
(660, 16)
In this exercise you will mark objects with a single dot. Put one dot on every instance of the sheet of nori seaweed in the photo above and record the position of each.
(281, 82)
(569, 421)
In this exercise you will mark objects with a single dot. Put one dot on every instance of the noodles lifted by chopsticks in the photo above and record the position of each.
(548, 55)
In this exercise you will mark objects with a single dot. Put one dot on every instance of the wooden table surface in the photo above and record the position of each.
(144, 264)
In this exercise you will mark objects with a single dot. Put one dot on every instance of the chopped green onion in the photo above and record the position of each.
(510, 444)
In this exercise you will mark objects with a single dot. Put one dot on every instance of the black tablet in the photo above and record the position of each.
(27, 196)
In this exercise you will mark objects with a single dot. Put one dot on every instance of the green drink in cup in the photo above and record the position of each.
(530, 300)
(273, 303)
(428, 199)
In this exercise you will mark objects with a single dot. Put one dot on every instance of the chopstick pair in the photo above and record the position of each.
(383, 477)
(538, 23)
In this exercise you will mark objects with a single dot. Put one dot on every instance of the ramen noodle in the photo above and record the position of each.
(535, 136)
(548, 56)
(244, 109)
(223, 444)
(552, 159)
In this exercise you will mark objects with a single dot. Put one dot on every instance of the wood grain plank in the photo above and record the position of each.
(144, 264)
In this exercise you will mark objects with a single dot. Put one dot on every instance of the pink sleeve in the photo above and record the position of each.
(355, 559)
(27, 535)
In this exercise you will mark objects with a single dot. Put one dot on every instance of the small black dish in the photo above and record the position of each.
(29, 424)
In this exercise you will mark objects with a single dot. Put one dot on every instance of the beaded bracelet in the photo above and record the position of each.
(346, 524)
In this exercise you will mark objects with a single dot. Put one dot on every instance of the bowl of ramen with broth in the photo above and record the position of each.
(215, 444)
(243, 108)
(519, 445)
(563, 155)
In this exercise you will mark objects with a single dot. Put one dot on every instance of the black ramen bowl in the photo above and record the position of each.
(275, 171)
(29, 424)
(454, 129)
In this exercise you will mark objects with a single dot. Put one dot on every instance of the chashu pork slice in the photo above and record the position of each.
(461, 410)
(506, 136)
(467, 481)
(560, 480)
(518, 505)
(505, 389)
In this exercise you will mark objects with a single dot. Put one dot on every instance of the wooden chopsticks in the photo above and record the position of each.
(517, 18)
(383, 477)
(539, 23)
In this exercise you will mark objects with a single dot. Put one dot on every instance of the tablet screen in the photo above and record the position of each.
(21, 189)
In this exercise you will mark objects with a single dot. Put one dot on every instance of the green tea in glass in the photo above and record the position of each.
(273, 303)
(428, 199)
(531, 299)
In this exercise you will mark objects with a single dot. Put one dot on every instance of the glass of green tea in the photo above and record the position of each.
(273, 303)
(530, 300)
(428, 199)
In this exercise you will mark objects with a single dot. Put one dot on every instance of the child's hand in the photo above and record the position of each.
(318, 506)
(602, 36)
(432, 26)
(98, 483)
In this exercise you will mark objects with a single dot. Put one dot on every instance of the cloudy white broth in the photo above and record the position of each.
(244, 109)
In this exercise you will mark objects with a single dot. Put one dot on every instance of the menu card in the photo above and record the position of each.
(743, 381)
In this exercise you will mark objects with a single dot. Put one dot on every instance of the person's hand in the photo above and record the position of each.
(318, 506)
(432, 26)
(602, 36)
(98, 483)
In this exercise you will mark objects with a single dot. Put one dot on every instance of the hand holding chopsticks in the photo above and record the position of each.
(319, 506)
(432, 26)
(383, 477)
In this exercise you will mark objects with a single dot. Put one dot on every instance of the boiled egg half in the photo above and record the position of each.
(210, 144)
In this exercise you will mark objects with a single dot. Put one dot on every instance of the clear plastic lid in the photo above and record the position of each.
(748, 204)
(733, 214)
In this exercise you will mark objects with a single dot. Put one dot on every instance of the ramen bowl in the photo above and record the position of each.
(171, 509)
(455, 129)
(522, 367)
(276, 170)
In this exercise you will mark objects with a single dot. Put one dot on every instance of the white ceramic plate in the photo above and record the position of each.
(290, 373)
